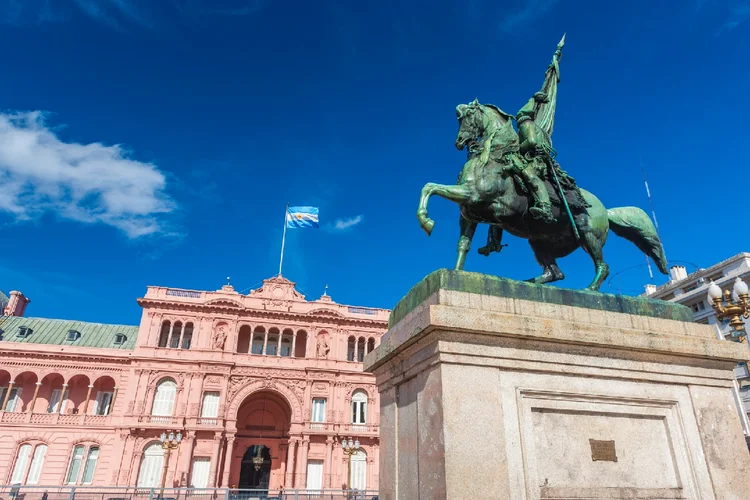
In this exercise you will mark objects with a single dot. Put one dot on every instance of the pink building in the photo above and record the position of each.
(262, 388)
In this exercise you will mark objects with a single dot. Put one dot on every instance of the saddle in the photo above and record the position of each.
(573, 195)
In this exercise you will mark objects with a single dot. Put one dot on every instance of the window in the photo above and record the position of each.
(76, 459)
(22, 462)
(13, 399)
(54, 401)
(102, 403)
(314, 474)
(149, 475)
(73, 335)
(187, 337)
(21, 468)
(88, 470)
(77, 462)
(164, 398)
(319, 410)
(271, 346)
(23, 332)
(350, 349)
(258, 344)
(361, 349)
(359, 407)
(120, 338)
(210, 408)
(358, 478)
(199, 475)
(698, 306)
(286, 347)
(164, 334)
(174, 342)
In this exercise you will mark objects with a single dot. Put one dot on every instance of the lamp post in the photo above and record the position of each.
(168, 443)
(732, 306)
(349, 448)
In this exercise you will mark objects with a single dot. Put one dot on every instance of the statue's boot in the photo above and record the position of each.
(542, 208)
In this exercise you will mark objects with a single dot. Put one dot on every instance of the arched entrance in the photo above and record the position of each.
(255, 470)
(263, 422)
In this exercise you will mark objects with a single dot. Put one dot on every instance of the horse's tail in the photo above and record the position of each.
(634, 225)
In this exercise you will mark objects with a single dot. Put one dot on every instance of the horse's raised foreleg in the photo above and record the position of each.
(459, 194)
(464, 241)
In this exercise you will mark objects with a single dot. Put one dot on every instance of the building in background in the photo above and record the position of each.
(262, 388)
(692, 289)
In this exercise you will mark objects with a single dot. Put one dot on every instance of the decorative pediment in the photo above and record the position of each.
(326, 312)
(277, 288)
(224, 303)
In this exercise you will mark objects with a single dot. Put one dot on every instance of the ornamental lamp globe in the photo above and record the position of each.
(163, 437)
(740, 287)
(714, 292)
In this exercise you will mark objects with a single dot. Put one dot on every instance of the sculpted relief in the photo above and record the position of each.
(219, 336)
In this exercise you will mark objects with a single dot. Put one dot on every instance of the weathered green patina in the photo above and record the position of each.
(512, 181)
(462, 281)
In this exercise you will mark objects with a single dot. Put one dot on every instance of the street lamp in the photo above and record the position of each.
(732, 305)
(168, 443)
(349, 448)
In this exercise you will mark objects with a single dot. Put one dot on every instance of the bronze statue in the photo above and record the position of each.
(512, 181)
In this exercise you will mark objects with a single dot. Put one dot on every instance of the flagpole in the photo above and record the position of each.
(283, 238)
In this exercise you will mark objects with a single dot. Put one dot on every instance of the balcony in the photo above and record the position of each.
(159, 420)
(359, 429)
(208, 422)
(54, 419)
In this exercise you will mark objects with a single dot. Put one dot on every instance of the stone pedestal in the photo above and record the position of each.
(496, 389)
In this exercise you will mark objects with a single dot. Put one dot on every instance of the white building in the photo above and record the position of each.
(692, 291)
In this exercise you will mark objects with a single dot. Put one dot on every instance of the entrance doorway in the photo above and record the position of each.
(255, 471)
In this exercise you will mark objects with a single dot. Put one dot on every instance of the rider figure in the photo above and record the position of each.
(532, 167)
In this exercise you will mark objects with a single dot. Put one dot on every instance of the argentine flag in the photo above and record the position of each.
(301, 217)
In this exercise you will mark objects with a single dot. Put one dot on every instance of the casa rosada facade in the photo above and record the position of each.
(262, 389)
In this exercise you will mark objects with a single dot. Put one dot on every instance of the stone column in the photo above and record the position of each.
(7, 395)
(289, 480)
(33, 399)
(112, 403)
(356, 349)
(86, 401)
(186, 454)
(214, 467)
(278, 345)
(265, 343)
(301, 475)
(63, 397)
(294, 342)
(328, 464)
(228, 461)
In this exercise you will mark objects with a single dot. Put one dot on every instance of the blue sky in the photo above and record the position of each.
(156, 143)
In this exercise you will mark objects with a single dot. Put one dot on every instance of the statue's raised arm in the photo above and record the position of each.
(545, 105)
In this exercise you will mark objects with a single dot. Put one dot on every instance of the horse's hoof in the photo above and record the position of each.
(427, 225)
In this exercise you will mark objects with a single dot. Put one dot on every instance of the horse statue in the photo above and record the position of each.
(499, 185)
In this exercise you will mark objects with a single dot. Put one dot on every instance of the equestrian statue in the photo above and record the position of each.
(512, 182)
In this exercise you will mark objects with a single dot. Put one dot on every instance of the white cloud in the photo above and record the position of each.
(344, 224)
(90, 183)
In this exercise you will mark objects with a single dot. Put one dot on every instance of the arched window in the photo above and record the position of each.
(286, 346)
(164, 398)
(370, 345)
(25, 473)
(358, 478)
(271, 346)
(164, 334)
(152, 462)
(77, 463)
(350, 349)
(174, 342)
(359, 407)
(187, 337)
(258, 337)
(243, 339)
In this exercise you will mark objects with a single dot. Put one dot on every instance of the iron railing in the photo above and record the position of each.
(135, 493)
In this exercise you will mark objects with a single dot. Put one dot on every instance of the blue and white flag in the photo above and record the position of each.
(301, 217)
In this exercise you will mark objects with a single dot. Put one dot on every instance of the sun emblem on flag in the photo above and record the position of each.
(299, 216)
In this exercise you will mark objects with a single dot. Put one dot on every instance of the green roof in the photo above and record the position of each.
(55, 332)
